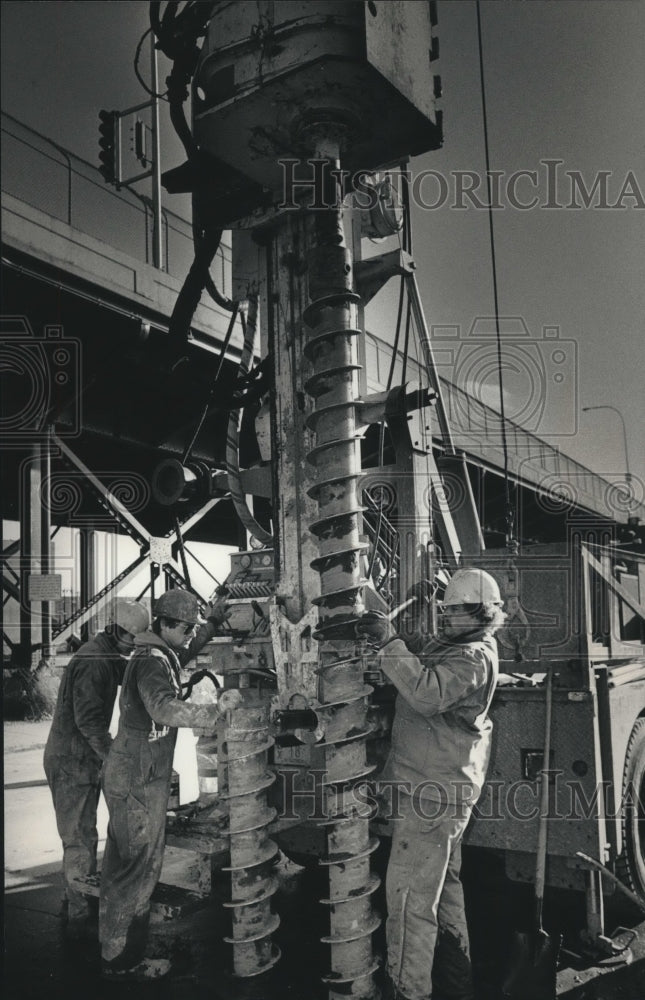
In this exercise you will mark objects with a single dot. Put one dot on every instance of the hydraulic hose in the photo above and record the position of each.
(233, 435)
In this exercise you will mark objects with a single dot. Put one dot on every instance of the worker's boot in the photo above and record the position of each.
(83, 929)
(452, 996)
(452, 973)
(148, 968)
(80, 921)
(390, 991)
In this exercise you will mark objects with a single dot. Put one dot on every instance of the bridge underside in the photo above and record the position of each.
(120, 411)
(128, 412)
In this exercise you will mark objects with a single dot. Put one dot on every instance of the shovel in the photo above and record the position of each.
(534, 956)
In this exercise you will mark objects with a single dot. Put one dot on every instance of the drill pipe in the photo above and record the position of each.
(331, 321)
(245, 779)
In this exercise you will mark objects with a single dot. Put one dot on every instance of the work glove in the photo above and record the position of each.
(229, 700)
(376, 628)
(217, 612)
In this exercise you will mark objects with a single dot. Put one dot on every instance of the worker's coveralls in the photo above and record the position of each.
(78, 742)
(439, 755)
(136, 785)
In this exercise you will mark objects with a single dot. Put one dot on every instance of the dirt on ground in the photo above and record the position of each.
(39, 964)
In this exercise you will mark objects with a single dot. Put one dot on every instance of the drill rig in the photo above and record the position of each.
(299, 110)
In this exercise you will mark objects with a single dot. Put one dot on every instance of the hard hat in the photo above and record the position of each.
(472, 586)
(131, 616)
(178, 604)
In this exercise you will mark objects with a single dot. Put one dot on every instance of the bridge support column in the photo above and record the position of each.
(35, 630)
(88, 581)
(44, 502)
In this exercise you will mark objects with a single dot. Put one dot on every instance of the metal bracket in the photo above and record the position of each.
(161, 550)
(370, 275)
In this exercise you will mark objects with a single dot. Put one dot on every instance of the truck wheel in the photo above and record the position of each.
(630, 865)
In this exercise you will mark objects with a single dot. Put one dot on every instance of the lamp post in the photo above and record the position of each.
(585, 409)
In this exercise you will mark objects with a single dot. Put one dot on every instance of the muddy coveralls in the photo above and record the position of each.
(439, 754)
(136, 785)
(78, 743)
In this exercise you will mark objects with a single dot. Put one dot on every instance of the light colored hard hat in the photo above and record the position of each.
(472, 586)
(131, 616)
(178, 604)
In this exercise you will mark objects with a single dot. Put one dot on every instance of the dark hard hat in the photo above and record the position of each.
(131, 616)
(178, 604)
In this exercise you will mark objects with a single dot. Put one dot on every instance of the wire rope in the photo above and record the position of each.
(509, 509)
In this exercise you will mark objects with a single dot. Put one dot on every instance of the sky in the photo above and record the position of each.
(564, 82)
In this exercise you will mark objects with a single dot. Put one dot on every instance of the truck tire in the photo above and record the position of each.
(630, 865)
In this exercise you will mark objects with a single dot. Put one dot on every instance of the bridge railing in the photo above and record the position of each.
(56, 181)
(477, 430)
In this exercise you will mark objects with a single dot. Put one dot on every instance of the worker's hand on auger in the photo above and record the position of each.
(217, 612)
(229, 700)
(376, 628)
(423, 591)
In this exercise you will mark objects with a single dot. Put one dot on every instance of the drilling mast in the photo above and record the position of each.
(297, 105)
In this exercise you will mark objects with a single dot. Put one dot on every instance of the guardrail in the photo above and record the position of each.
(477, 430)
(56, 181)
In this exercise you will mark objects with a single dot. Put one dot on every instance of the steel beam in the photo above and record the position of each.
(88, 583)
(30, 551)
(80, 617)
(45, 542)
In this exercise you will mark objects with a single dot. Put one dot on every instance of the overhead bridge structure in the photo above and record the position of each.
(95, 423)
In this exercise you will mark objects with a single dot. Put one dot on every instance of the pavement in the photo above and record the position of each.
(39, 964)
(31, 839)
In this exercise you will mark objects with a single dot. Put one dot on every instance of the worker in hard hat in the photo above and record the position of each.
(439, 754)
(136, 780)
(78, 743)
